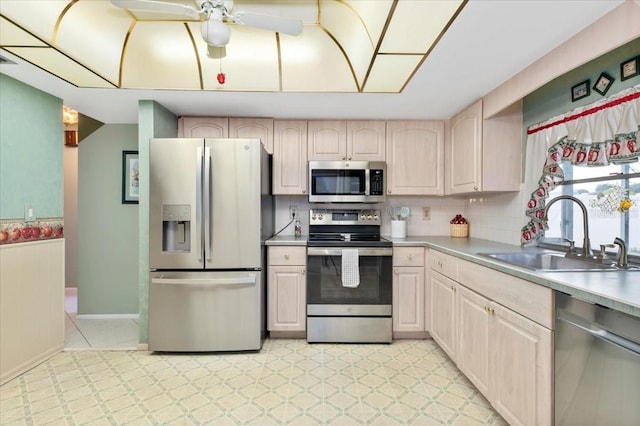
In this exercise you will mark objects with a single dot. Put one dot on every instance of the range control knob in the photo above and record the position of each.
(313, 217)
(362, 217)
(320, 217)
(375, 217)
(369, 217)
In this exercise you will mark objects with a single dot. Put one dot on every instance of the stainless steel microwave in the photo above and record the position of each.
(347, 181)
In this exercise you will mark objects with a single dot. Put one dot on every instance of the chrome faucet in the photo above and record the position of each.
(586, 245)
(621, 260)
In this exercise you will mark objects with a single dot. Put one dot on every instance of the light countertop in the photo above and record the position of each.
(618, 290)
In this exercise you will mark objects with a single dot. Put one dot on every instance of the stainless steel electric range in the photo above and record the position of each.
(349, 277)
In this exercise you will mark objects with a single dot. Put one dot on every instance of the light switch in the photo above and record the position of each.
(29, 213)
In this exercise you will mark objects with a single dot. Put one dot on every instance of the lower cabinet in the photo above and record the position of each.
(286, 289)
(443, 312)
(408, 291)
(506, 355)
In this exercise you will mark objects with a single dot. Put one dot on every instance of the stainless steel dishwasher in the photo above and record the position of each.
(597, 365)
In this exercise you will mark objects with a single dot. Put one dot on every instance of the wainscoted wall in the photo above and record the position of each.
(31, 304)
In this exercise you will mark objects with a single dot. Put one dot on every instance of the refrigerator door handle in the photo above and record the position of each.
(205, 281)
(199, 203)
(207, 204)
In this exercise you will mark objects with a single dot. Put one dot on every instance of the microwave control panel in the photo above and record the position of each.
(376, 179)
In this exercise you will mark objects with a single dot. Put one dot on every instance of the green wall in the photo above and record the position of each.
(554, 98)
(107, 229)
(155, 121)
(31, 142)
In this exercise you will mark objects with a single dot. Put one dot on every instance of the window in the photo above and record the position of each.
(600, 189)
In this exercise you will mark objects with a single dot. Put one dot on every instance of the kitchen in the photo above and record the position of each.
(479, 213)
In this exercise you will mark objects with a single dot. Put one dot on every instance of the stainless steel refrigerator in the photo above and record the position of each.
(210, 212)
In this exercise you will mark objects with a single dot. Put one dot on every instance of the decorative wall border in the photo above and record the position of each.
(18, 231)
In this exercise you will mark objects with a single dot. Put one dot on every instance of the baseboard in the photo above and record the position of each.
(143, 347)
(411, 335)
(28, 365)
(108, 316)
(288, 334)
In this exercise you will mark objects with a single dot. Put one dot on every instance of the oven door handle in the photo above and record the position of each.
(323, 251)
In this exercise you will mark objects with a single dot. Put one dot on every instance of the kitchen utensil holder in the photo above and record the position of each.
(398, 229)
(459, 230)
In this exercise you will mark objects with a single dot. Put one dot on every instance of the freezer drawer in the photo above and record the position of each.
(206, 311)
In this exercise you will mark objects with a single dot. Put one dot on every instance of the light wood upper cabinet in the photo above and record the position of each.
(286, 289)
(203, 127)
(253, 128)
(466, 150)
(415, 157)
(290, 157)
(358, 140)
(485, 155)
(366, 140)
(327, 140)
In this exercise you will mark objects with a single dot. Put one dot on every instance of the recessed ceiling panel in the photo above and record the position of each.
(311, 63)
(102, 39)
(373, 13)
(344, 24)
(160, 55)
(12, 35)
(251, 62)
(39, 16)
(60, 65)
(390, 72)
(416, 24)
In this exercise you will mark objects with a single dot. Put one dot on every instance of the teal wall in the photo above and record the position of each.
(155, 121)
(31, 142)
(554, 98)
(107, 229)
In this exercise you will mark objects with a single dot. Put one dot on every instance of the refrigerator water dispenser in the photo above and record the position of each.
(176, 227)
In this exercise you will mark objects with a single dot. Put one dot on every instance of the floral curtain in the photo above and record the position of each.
(599, 134)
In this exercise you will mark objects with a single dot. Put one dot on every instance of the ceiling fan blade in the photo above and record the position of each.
(179, 10)
(268, 22)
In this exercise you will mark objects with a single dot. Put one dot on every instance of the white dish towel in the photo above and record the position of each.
(350, 268)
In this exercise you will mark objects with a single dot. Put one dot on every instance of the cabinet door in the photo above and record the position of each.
(443, 312)
(366, 140)
(286, 298)
(465, 162)
(253, 128)
(408, 298)
(520, 370)
(289, 157)
(473, 338)
(203, 127)
(415, 157)
(327, 140)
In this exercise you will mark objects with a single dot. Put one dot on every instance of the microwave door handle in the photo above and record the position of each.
(198, 226)
(208, 237)
(367, 185)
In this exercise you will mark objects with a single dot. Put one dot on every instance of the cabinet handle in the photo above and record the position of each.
(286, 256)
(303, 271)
(389, 191)
(489, 310)
(349, 158)
(395, 271)
(453, 287)
(475, 188)
(344, 158)
(439, 263)
(304, 191)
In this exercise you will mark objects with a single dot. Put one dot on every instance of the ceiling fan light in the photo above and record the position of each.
(215, 32)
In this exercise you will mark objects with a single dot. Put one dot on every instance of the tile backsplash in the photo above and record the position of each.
(496, 217)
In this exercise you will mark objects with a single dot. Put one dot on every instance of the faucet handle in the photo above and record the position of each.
(571, 244)
(603, 250)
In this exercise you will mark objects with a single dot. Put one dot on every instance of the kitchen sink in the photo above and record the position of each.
(552, 261)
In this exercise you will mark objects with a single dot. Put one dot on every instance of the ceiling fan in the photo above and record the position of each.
(214, 14)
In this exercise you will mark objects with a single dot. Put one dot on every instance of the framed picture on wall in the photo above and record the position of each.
(580, 90)
(630, 68)
(130, 180)
(603, 83)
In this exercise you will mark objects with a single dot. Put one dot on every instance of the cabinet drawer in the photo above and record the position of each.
(446, 264)
(529, 299)
(287, 255)
(408, 256)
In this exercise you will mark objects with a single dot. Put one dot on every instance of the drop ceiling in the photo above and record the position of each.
(355, 58)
